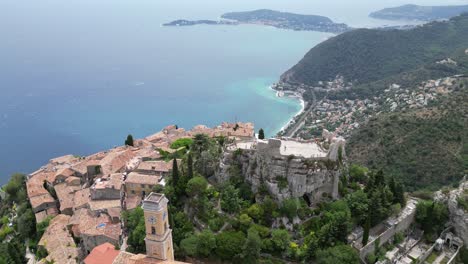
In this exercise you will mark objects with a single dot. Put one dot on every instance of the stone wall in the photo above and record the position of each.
(263, 164)
(402, 223)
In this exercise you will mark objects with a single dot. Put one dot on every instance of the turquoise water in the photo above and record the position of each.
(77, 76)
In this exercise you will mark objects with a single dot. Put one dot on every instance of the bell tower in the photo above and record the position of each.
(158, 238)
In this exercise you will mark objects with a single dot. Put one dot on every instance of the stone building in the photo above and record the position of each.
(158, 240)
(157, 167)
(107, 188)
(158, 234)
(137, 184)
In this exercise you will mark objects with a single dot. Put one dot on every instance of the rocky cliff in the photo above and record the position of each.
(308, 173)
(458, 214)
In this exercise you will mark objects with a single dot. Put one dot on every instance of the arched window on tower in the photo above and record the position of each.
(153, 230)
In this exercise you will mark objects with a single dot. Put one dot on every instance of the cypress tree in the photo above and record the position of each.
(175, 173)
(261, 134)
(129, 141)
(374, 207)
(392, 185)
(370, 184)
(365, 236)
(399, 195)
(189, 166)
(379, 179)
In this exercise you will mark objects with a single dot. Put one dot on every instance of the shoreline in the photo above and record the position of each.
(296, 96)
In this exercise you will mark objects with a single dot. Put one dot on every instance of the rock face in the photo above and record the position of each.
(285, 176)
(458, 215)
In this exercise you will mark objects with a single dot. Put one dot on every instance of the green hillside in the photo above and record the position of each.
(424, 148)
(372, 58)
(415, 12)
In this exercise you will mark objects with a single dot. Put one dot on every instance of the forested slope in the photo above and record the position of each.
(424, 148)
(372, 58)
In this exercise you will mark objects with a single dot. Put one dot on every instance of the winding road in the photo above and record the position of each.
(292, 129)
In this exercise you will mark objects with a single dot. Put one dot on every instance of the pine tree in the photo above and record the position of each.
(365, 236)
(261, 134)
(129, 141)
(189, 166)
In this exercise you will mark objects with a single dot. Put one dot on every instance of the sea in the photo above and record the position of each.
(78, 76)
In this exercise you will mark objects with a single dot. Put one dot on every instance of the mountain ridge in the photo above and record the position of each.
(416, 12)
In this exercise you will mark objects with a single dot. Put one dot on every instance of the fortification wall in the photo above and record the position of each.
(284, 176)
(402, 224)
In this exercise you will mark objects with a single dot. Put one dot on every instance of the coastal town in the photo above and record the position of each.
(84, 197)
(344, 116)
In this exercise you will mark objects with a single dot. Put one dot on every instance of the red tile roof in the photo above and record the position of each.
(102, 254)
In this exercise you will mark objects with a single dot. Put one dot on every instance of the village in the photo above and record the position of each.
(85, 196)
(344, 116)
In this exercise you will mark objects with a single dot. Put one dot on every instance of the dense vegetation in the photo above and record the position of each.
(431, 216)
(415, 12)
(228, 222)
(372, 59)
(18, 223)
(424, 148)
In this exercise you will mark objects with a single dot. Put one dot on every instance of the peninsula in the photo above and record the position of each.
(272, 18)
(183, 22)
(415, 12)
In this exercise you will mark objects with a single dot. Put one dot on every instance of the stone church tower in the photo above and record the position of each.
(158, 238)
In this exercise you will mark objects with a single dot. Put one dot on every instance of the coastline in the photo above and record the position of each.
(290, 94)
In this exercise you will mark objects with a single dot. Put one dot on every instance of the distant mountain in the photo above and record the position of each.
(415, 12)
(371, 59)
(287, 20)
(271, 15)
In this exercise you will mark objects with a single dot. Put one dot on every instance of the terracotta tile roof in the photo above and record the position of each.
(81, 198)
(113, 181)
(133, 163)
(65, 173)
(59, 242)
(102, 254)
(84, 222)
(116, 161)
(65, 195)
(64, 159)
(39, 200)
(158, 166)
(123, 258)
(138, 178)
(73, 180)
(42, 215)
(82, 166)
(35, 185)
(133, 202)
(107, 229)
(114, 212)
(99, 205)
